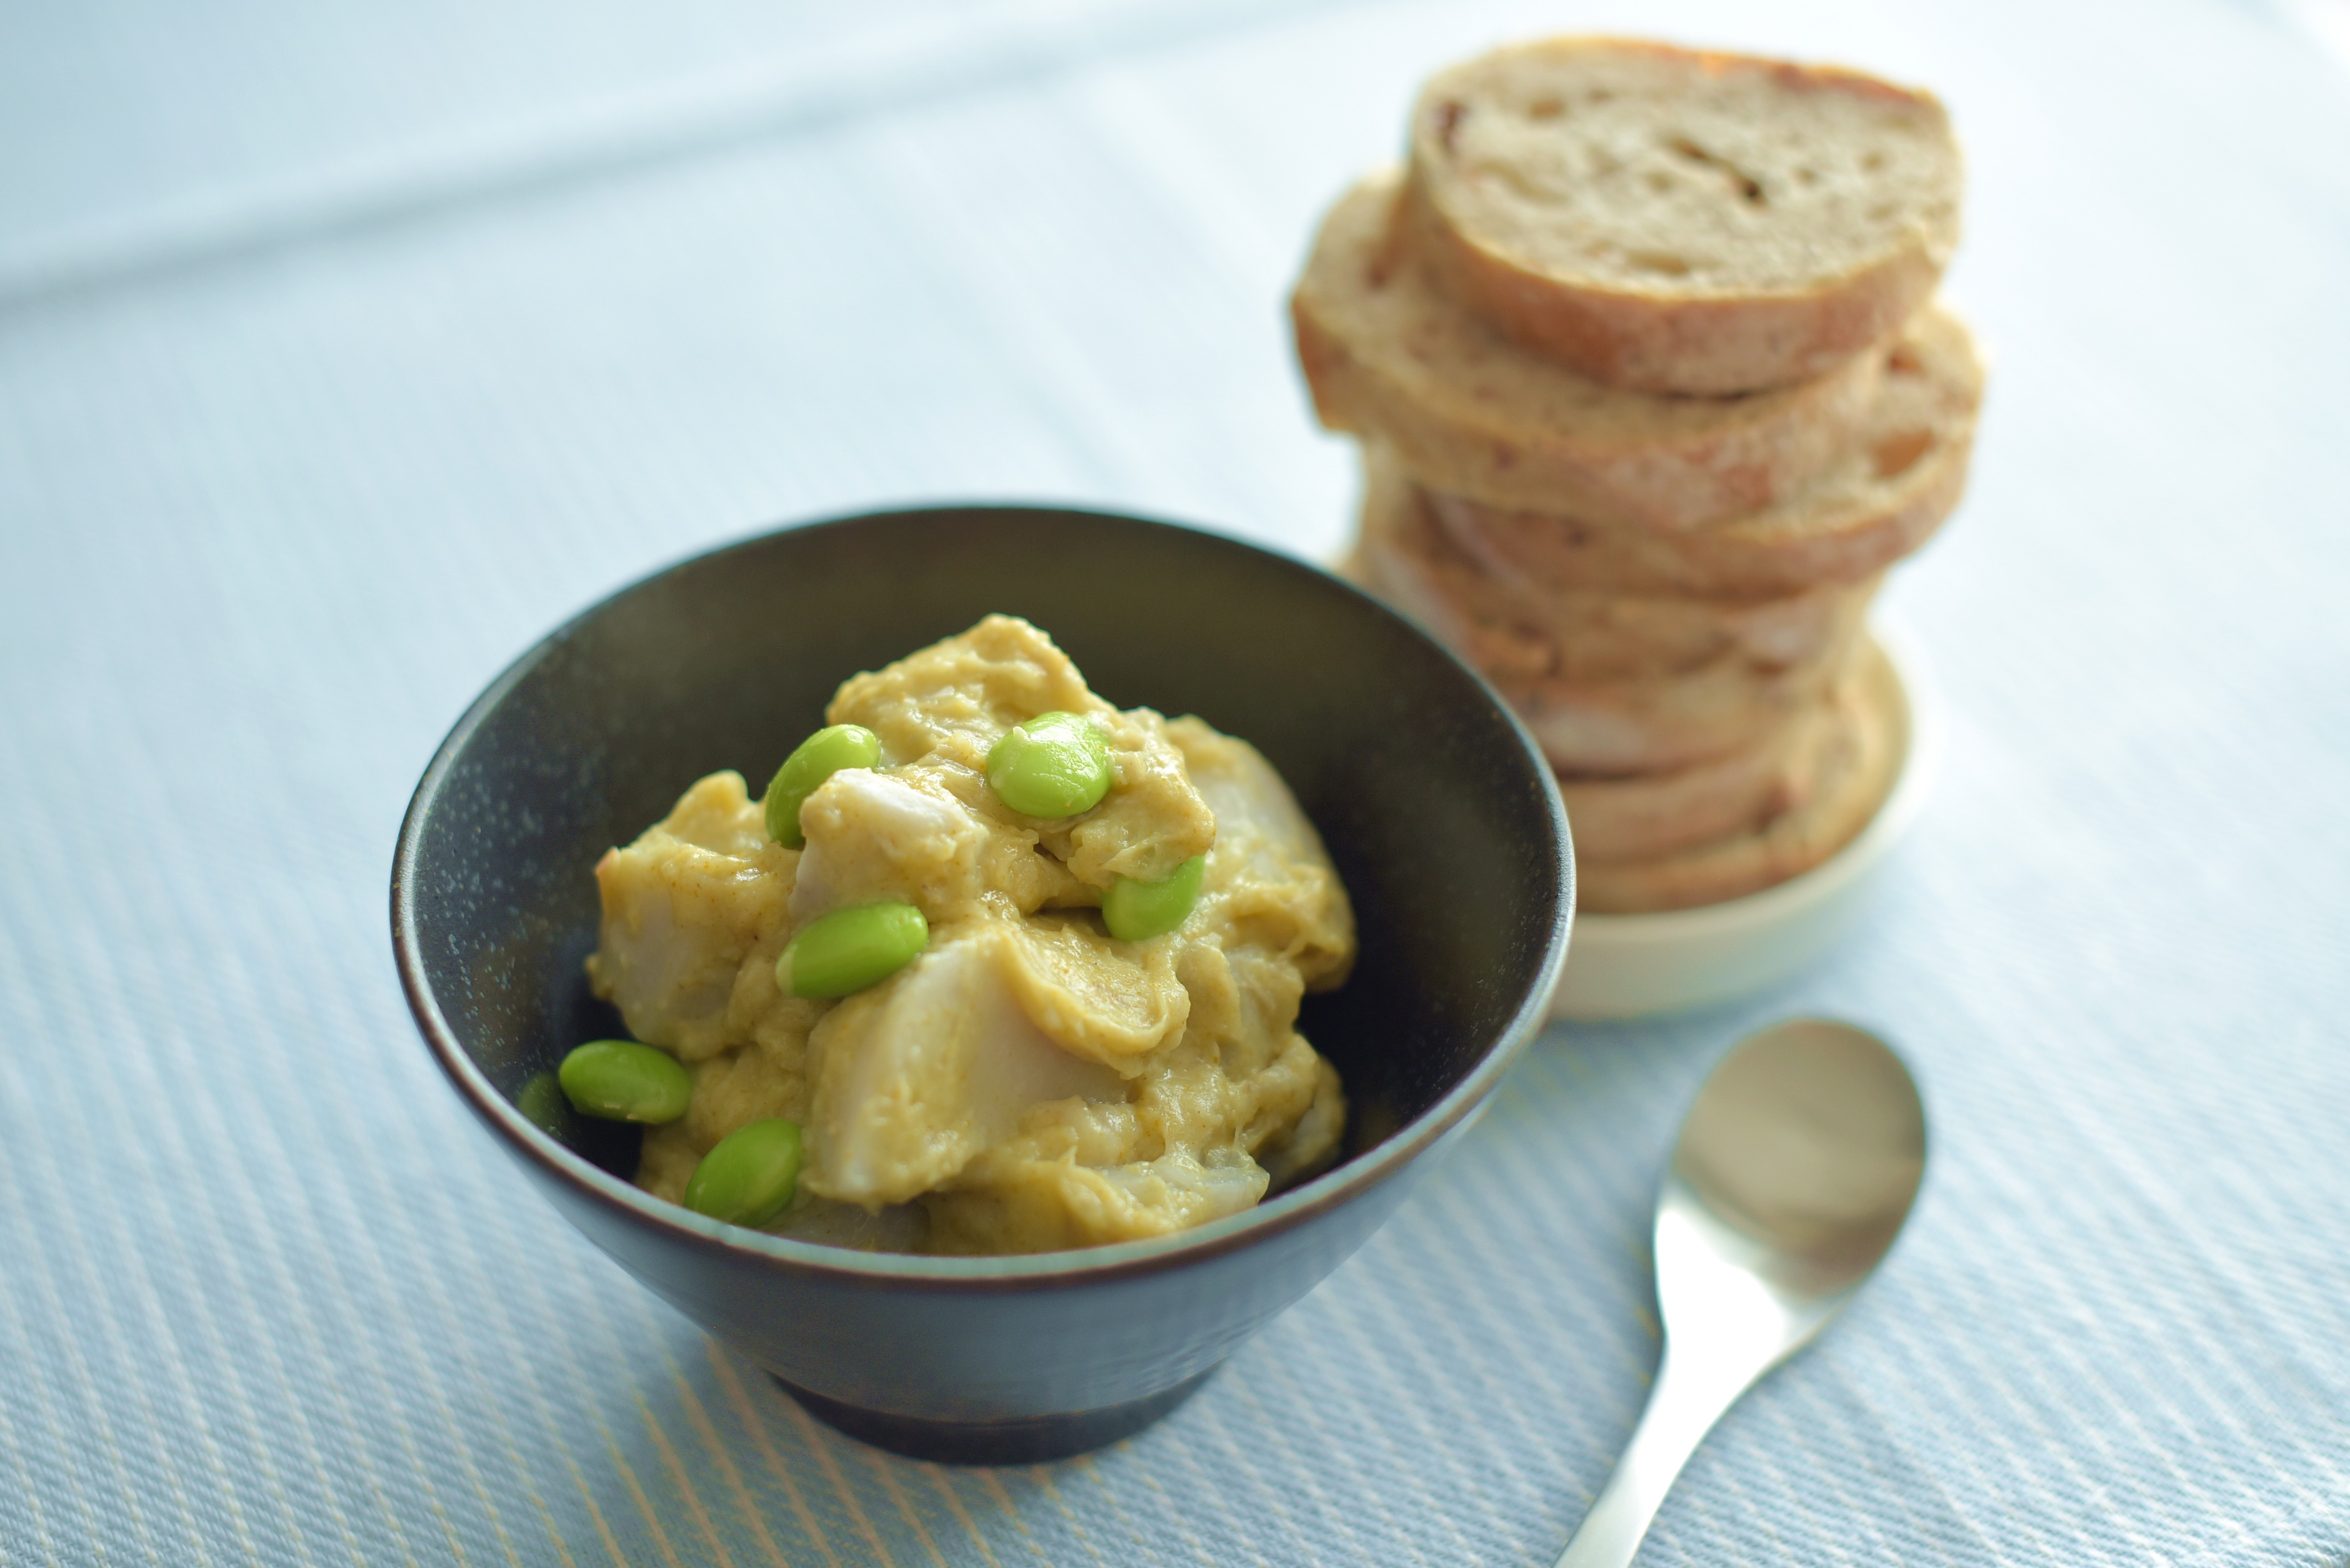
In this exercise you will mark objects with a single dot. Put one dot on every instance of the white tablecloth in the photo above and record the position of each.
(342, 354)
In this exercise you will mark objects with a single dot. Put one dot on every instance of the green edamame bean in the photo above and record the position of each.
(851, 949)
(541, 1101)
(816, 759)
(750, 1175)
(1134, 910)
(1055, 765)
(622, 1081)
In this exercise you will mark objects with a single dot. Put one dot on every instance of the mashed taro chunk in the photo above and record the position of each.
(1028, 1083)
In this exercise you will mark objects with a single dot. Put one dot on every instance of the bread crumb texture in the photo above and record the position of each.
(1649, 167)
(1677, 221)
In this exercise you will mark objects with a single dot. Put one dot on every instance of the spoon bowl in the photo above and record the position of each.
(1801, 1157)
(1795, 1171)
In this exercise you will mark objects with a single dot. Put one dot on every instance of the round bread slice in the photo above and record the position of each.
(1854, 775)
(1675, 222)
(1507, 627)
(1391, 353)
(1903, 473)
(1650, 815)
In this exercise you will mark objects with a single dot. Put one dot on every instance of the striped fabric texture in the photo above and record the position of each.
(341, 355)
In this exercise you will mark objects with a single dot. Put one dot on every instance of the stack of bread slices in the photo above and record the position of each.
(1651, 386)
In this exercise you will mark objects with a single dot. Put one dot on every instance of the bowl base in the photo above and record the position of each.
(1022, 1440)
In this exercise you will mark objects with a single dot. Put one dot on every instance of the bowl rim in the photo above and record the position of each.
(962, 1276)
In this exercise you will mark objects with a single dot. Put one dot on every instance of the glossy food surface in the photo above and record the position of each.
(983, 1061)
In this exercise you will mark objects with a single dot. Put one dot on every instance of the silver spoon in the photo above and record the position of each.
(1795, 1171)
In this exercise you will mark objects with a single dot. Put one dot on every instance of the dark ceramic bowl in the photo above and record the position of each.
(1438, 810)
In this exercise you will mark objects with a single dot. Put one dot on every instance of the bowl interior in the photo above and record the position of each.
(1436, 809)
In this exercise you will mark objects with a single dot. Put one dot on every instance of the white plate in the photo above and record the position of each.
(1628, 966)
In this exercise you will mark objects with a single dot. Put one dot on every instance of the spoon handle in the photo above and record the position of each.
(1686, 1400)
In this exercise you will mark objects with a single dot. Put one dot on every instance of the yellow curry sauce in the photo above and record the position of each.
(1028, 1083)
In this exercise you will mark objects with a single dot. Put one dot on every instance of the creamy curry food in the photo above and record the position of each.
(951, 1015)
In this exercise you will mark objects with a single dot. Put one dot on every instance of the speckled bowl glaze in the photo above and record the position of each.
(1434, 802)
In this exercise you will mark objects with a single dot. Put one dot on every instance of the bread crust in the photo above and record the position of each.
(1854, 775)
(1660, 333)
(1655, 724)
(1391, 353)
(1512, 628)
(1903, 473)
(1650, 815)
